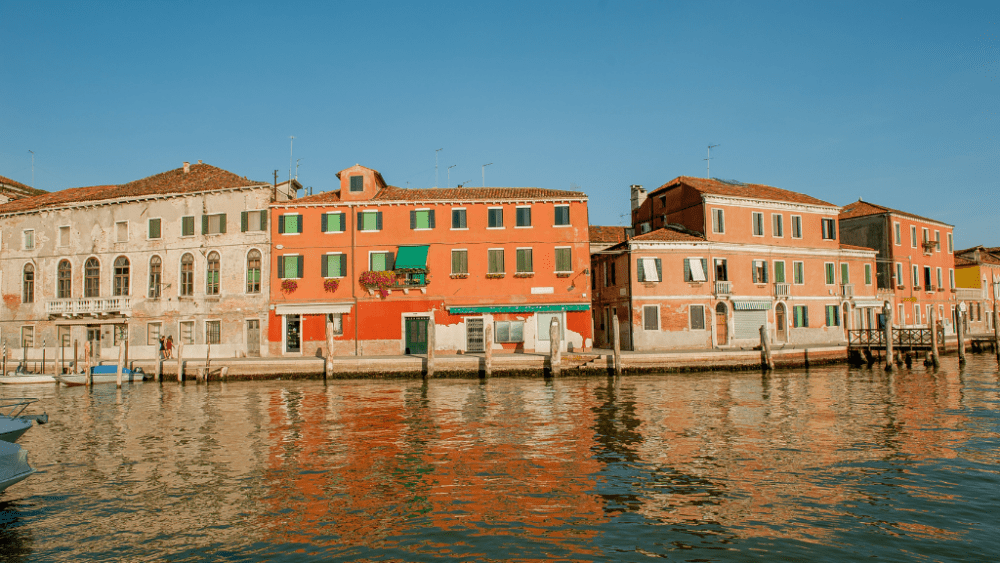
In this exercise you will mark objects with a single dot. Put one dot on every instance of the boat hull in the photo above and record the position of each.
(73, 380)
(14, 466)
(26, 379)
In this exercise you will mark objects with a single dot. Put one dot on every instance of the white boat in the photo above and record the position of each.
(102, 374)
(13, 464)
(13, 422)
(22, 377)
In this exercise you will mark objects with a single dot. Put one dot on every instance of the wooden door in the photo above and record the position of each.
(474, 336)
(94, 337)
(779, 322)
(721, 325)
(253, 337)
(416, 335)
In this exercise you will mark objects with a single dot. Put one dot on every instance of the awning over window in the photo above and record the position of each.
(752, 305)
(517, 308)
(414, 257)
(649, 268)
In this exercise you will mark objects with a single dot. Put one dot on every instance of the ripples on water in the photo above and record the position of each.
(830, 464)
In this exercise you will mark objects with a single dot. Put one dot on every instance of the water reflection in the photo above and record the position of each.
(835, 463)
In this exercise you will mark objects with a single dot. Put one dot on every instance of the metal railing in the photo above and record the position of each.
(782, 290)
(723, 288)
(847, 290)
(88, 306)
(901, 337)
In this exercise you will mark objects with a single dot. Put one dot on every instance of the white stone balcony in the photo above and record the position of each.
(89, 306)
(968, 294)
(782, 290)
(847, 290)
(723, 288)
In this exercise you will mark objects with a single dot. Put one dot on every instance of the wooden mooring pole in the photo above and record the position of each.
(554, 357)
(180, 362)
(431, 343)
(328, 366)
(887, 310)
(76, 356)
(88, 350)
(935, 357)
(961, 335)
(488, 350)
(996, 330)
(766, 361)
(121, 363)
(616, 345)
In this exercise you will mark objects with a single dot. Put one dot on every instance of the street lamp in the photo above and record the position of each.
(484, 174)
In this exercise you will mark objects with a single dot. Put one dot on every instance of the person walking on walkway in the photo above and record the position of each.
(163, 349)
(169, 346)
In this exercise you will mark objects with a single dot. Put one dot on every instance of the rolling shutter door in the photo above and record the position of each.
(747, 323)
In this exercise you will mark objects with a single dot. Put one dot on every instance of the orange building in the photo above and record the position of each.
(977, 275)
(713, 261)
(383, 264)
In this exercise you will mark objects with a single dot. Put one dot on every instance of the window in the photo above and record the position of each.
(495, 218)
(65, 283)
(759, 271)
(121, 231)
(290, 223)
(509, 331)
(187, 275)
(91, 278)
(63, 335)
(777, 225)
(495, 261)
(951, 278)
(916, 313)
(422, 219)
(937, 241)
(459, 261)
(63, 236)
(896, 234)
(926, 234)
(695, 269)
(121, 285)
(913, 236)
(697, 314)
(213, 332)
(868, 274)
(212, 274)
(357, 183)
(213, 224)
(121, 334)
(951, 244)
(651, 317)
(523, 217)
(369, 220)
(459, 219)
(253, 271)
(940, 280)
(564, 259)
(613, 269)
(779, 271)
(252, 221)
(155, 276)
(800, 316)
(562, 216)
(798, 273)
(524, 262)
(902, 314)
(334, 266)
(845, 277)
(916, 277)
(758, 224)
(336, 321)
(605, 265)
(187, 332)
(721, 271)
(28, 277)
(899, 274)
(649, 269)
(27, 336)
(153, 333)
(380, 261)
(645, 228)
(187, 226)
(153, 229)
(796, 226)
(829, 229)
(290, 267)
(29, 239)
(832, 315)
(718, 221)
(830, 277)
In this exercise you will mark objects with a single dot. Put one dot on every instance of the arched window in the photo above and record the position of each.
(253, 271)
(121, 276)
(65, 277)
(155, 275)
(187, 275)
(212, 274)
(28, 296)
(92, 278)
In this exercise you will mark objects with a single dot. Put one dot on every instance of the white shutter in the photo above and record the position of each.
(697, 273)
(747, 323)
(649, 268)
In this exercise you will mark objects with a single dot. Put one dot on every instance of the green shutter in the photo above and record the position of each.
(281, 266)
(369, 221)
(753, 271)
(263, 220)
(378, 262)
(204, 224)
(281, 224)
(779, 272)
(422, 219)
(291, 266)
(687, 270)
(844, 277)
(336, 267)
(222, 223)
(300, 269)
(298, 223)
(243, 221)
(324, 266)
(323, 221)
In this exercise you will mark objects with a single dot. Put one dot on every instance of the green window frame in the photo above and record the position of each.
(380, 261)
(459, 261)
(459, 219)
(494, 218)
(798, 273)
(154, 228)
(187, 226)
(561, 216)
(495, 263)
(868, 274)
(369, 220)
(800, 316)
(523, 216)
(779, 271)
(357, 183)
(333, 222)
(253, 221)
(422, 219)
(564, 259)
(333, 266)
(290, 223)
(290, 267)
(845, 275)
(831, 278)
(525, 264)
(832, 315)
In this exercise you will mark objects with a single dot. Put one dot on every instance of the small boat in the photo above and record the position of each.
(23, 377)
(103, 374)
(13, 422)
(13, 464)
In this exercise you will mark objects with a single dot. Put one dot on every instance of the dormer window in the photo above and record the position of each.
(357, 183)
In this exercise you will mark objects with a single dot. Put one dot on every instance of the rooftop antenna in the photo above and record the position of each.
(297, 161)
(32, 167)
(484, 174)
(708, 161)
(449, 174)
(436, 166)
(291, 146)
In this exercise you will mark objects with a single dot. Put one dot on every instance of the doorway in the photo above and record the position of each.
(94, 338)
(293, 334)
(253, 337)
(844, 318)
(474, 339)
(416, 335)
(721, 324)
(779, 322)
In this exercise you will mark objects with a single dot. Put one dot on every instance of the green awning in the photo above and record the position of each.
(517, 309)
(411, 257)
(752, 305)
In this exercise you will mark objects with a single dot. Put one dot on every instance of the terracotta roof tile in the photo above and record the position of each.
(751, 191)
(959, 261)
(607, 234)
(667, 234)
(392, 193)
(864, 209)
(18, 188)
(202, 177)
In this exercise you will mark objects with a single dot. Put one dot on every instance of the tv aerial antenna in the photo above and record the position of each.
(708, 161)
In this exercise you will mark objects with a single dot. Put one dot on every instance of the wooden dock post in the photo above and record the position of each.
(616, 345)
(159, 369)
(180, 362)
(996, 330)
(961, 334)
(431, 343)
(62, 360)
(87, 352)
(43, 358)
(121, 363)
(935, 357)
(208, 362)
(554, 358)
(889, 355)
(766, 361)
(328, 366)
(76, 356)
(488, 349)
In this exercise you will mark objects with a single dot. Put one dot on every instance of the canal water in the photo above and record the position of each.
(824, 464)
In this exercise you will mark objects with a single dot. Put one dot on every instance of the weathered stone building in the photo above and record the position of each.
(9, 190)
(184, 253)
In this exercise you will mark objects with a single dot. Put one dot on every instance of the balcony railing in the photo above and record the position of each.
(968, 294)
(782, 290)
(723, 288)
(847, 290)
(92, 306)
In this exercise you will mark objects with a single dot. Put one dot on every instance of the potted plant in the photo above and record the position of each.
(378, 281)
(331, 285)
(289, 286)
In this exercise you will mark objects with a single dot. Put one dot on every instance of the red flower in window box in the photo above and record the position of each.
(289, 286)
(331, 285)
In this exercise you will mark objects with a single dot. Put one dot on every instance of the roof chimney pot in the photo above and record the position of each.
(638, 196)
(199, 162)
(187, 167)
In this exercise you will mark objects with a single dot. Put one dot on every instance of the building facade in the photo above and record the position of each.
(384, 265)
(184, 253)
(720, 259)
(11, 190)
(915, 260)
(977, 275)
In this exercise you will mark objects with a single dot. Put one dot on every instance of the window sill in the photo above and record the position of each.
(495, 276)
(522, 226)
(563, 274)
(524, 275)
(561, 226)
(459, 276)
(459, 228)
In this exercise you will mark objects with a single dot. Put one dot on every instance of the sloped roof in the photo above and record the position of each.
(18, 188)
(392, 193)
(864, 209)
(959, 261)
(751, 191)
(669, 235)
(202, 177)
(612, 234)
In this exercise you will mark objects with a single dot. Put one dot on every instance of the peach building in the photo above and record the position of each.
(384, 265)
(713, 261)
(977, 275)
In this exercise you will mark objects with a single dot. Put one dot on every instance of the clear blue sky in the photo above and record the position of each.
(892, 102)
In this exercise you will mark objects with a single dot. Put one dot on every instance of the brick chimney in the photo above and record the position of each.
(638, 196)
(187, 167)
